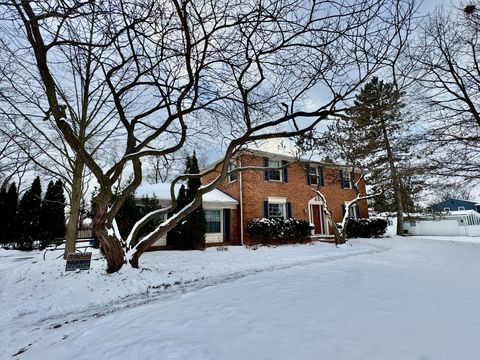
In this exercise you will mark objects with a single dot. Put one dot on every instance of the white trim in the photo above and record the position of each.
(218, 205)
(241, 203)
(277, 200)
(318, 201)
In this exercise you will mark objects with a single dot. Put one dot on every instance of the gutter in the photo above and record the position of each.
(241, 201)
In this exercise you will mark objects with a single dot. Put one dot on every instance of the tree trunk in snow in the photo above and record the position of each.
(111, 245)
(395, 179)
(145, 243)
(340, 237)
(74, 212)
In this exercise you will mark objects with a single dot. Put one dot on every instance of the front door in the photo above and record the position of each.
(317, 219)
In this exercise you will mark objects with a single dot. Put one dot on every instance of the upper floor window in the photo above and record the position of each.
(315, 175)
(275, 170)
(274, 174)
(232, 172)
(446, 209)
(461, 208)
(346, 179)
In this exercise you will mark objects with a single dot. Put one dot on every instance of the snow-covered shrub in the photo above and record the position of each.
(278, 231)
(366, 228)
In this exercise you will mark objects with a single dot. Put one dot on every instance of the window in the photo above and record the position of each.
(275, 170)
(461, 208)
(315, 175)
(353, 212)
(346, 179)
(232, 172)
(276, 211)
(214, 224)
(446, 209)
(275, 175)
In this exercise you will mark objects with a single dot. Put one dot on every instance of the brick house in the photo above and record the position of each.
(285, 192)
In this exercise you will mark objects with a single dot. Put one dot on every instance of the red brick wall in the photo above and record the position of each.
(256, 190)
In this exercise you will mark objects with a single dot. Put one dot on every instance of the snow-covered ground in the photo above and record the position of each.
(398, 298)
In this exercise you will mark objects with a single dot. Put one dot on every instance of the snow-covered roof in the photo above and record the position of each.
(288, 157)
(162, 193)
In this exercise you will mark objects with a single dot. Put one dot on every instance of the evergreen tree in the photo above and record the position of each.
(29, 215)
(10, 215)
(174, 236)
(3, 224)
(148, 204)
(195, 224)
(127, 216)
(190, 234)
(52, 214)
(376, 137)
(378, 124)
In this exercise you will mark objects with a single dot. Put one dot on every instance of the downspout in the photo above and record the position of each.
(241, 202)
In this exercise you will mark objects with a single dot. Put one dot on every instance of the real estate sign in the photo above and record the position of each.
(80, 261)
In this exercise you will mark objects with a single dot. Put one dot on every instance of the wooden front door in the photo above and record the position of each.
(317, 219)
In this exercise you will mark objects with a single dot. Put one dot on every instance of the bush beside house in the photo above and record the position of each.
(278, 231)
(366, 228)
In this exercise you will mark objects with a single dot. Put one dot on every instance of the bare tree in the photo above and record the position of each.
(35, 133)
(235, 71)
(447, 65)
(454, 190)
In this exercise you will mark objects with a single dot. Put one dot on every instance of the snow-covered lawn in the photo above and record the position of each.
(399, 298)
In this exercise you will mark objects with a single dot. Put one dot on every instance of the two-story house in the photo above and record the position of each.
(284, 190)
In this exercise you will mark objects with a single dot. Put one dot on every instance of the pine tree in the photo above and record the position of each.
(10, 214)
(383, 142)
(190, 234)
(376, 137)
(148, 204)
(46, 210)
(29, 215)
(52, 214)
(195, 225)
(3, 224)
(127, 216)
(174, 236)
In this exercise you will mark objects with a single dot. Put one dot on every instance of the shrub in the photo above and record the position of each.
(366, 228)
(278, 231)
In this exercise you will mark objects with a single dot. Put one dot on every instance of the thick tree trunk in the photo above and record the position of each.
(398, 197)
(111, 246)
(74, 212)
(394, 176)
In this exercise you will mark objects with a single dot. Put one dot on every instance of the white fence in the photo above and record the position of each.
(442, 227)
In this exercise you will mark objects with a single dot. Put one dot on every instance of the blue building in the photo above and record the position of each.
(455, 205)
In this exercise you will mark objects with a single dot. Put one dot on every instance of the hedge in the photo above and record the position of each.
(278, 231)
(366, 228)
